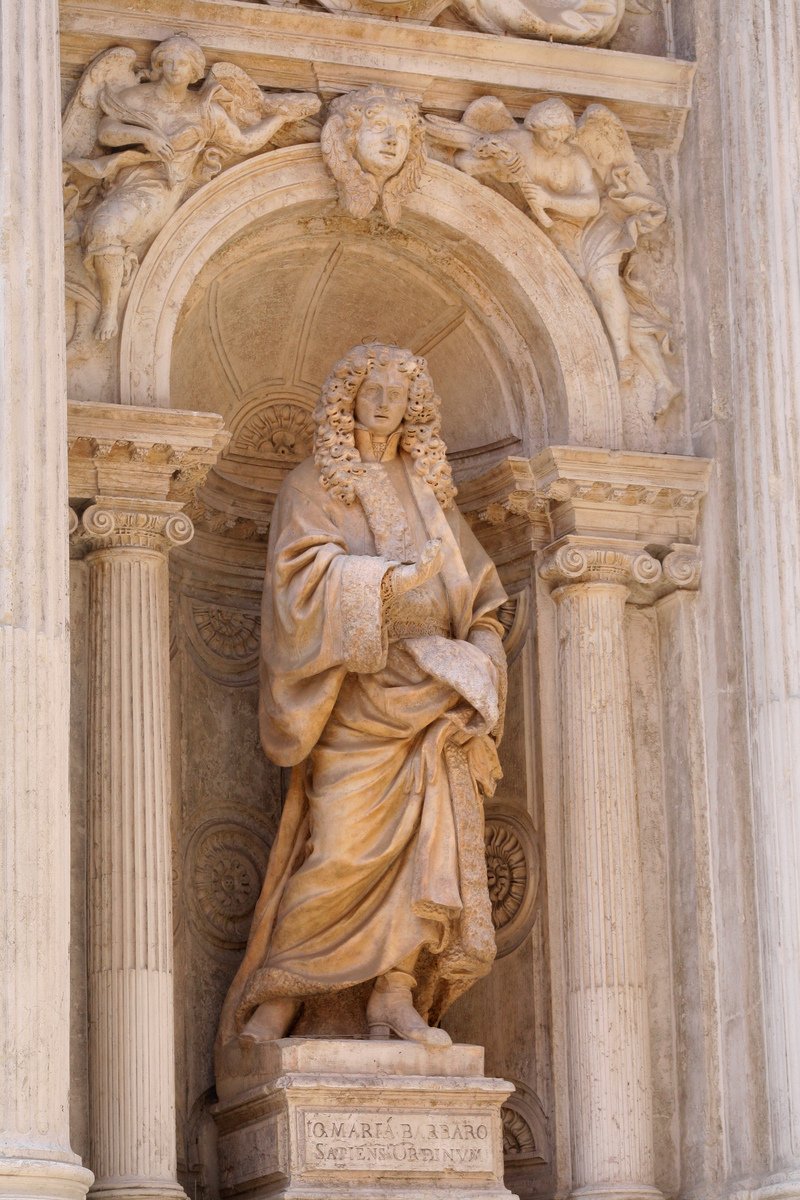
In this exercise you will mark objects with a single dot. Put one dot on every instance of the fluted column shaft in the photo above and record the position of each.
(761, 149)
(131, 1004)
(35, 1155)
(609, 1073)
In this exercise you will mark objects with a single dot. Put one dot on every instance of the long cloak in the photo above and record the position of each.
(390, 722)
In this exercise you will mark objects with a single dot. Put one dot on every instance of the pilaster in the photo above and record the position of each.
(35, 1155)
(761, 162)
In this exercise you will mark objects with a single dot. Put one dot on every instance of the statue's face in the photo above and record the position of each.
(176, 66)
(383, 140)
(554, 139)
(381, 400)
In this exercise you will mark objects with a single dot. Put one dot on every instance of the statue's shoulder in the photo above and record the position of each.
(304, 478)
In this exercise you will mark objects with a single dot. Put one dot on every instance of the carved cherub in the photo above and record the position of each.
(581, 21)
(167, 138)
(374, 146)
(585, 187)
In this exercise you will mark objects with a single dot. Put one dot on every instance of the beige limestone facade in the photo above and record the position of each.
(583, 215)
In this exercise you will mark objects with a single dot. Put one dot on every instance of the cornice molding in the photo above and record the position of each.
(443, 68)
(143, 453)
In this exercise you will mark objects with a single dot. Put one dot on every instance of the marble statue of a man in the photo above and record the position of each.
(382, 686)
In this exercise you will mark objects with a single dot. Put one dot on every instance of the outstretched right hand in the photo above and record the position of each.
(412, 575)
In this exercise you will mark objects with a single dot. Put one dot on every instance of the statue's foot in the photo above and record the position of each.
(390, 1010)
(665, 396)
(270, 1021)
(106, 327)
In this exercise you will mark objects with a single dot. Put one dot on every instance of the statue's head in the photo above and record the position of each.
(552, 122)
(382, 388)
(373, 145)
(178, 59)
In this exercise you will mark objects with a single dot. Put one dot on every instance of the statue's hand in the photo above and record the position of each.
(158, 145)
(412, 575)
(497, 148)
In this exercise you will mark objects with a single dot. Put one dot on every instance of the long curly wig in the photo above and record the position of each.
(334, 445)
(360, 192)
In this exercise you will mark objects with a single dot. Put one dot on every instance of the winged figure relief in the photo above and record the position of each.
(138, 143)
(580, 21)
(583, 184)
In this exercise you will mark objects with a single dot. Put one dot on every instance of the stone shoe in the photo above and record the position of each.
(270, 1021)
(390, 1009)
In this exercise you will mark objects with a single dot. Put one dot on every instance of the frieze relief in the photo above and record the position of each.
(581, 22)
(584, 186)
(136, 144)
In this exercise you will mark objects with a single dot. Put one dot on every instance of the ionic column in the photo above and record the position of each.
(131, 1004)
(609, 1075)
(35, 1155)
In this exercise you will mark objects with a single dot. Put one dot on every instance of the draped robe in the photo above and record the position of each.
(389, 716)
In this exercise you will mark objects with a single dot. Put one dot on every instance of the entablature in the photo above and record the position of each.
(445, 69)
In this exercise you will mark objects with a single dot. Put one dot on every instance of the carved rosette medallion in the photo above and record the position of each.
(224, 641)
(275, 430)
(512, 866)
(225, 864)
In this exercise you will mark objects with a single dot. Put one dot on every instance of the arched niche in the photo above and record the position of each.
(538, 328)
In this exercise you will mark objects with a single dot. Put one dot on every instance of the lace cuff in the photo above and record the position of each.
(364, 640)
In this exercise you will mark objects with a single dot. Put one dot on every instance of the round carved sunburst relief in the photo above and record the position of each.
(224, 641)
(225, 867)
(512, 867)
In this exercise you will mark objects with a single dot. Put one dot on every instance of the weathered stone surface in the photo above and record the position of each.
(378, 1120)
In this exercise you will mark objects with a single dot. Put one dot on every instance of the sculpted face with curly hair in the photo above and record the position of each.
(381, 389)
(374, 146)
(382, 687)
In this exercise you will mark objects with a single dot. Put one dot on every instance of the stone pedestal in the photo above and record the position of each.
(305, 1119)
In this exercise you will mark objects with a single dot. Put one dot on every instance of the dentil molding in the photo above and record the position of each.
(140, 453)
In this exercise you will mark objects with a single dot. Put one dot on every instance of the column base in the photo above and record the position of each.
(133, 1189)
(617, 1191)
(783, 1186)
(369, 1120)
(43, 1179)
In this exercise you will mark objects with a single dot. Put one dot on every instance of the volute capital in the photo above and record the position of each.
(115, 523)
(648, 572)
(583, 561)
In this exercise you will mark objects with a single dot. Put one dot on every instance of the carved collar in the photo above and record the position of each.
(373, 448)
